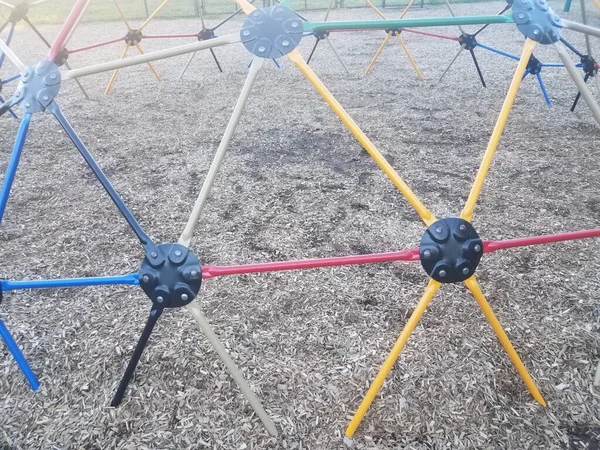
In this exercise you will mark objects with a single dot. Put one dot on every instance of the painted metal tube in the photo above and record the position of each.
(337, 55)
(11, 56)
(573, 49)
(205, 327)
(10, 111)
(576, 77)
(469, 209)
(473, 286)
(14, 349)
(81, 14)
(4, 25)
(67, 28)
(156, 75)
(11, 32)
(13, 163)
(153, 56)
(451, 63)
(188, 232)
(170, 36)
(543, 88)
(454, 15)
(492, 246)
(219, 271)
(110, 190)
(580, 28)
(500, 52)
(567, 7)
(584, 20)
(156, 11)
(187, 64)
(8, 5)
(100, 44)
(131, 279)
(426, 33)
(405, 23)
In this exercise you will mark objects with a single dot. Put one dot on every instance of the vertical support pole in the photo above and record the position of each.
(146, 8)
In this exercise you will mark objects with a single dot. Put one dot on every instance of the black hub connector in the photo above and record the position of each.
(394, 31)
(321, 34)
(133, 37)
(170, 275)
(534, 66)
(450, 250)
(19, 12)
(206, 34)
(589, 66)
(467, 41)
(61, 57)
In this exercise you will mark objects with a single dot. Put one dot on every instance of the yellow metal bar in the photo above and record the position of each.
(149, 63)
(122, 15)
(409, 56)
(423, 212)
(246, 6)
(597, 3)
(430, 291)
(469, 209)
(379, 13)
(387, 38)
(114, 75)
(161, 6)
(406, 9)
(473, 286)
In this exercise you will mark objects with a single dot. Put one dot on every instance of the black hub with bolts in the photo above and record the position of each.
(272, 32)
(394, 31)
(61, 57)
(467, 41)
(589, 66)
(450, 250)
(321, 34)
(38, 87)
(170, 275)
(133, 37)
(19, 12)
(536, 20)
(206, 34)
(534, 65)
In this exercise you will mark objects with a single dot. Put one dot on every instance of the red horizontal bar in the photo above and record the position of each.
(166, 36)
(426, 33)
(492, 246)
(89, 47)
(218, 271)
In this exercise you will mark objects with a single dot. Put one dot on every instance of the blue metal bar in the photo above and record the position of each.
(552, 65)
(527, 72)
(13, 348)
(500, 52)
(539, 77)
(7, 42)
(13, 163)
(573, 49)
(567, 7)
(3, 26)
(12, 113)
(9, 79)
(110, 190)
(131, 279)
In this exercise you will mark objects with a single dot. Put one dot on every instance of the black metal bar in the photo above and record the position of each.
(506, 8)
(573, 49)
(12, 113)
(313, 51)
(229, 17)
(212, 52)
(585, 78)
(36, 31)
(110, 190)
(7, 105)
(4, 25)
(477, 67)
(137, 354)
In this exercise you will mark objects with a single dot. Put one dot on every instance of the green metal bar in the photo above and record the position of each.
(567, 7)
(405, 23)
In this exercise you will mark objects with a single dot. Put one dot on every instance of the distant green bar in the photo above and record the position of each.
(567, 6)
(405, 23)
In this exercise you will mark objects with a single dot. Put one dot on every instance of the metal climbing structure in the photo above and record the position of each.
(170, 274)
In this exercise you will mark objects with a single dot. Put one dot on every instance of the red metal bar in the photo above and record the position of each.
(426, 33)
(492, 246)
(218, 271)
(66, 29)
(166, 36)
(101, 44)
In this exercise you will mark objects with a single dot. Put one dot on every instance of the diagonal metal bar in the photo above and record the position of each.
(492, 246)
(573, 49)
(7, 105)
(187, 64)
(312, 52)
(473, 286)
(469, 209)
(122, 15)
(13, 163)
(8, 5)
(584, 20)
(131, 279)
(576, 77)
(427, 217)
(205, 328)
(229, 17)
(477, 67)
(11, 56)
(331, 2)
(379, 50)
(67, 29)
(389, 362)
(4, 25)
(506, 8)
(8, 40)
(188, 233)
(14, 349)
(113, 77)
(144, 239)
(451, 63)
(155, 314)
(79, 18)
(152, 56)
(335, 52)
(153, 15)
(580, 28)
(409, 56)
(139, 49)
(543, 88)
(454, 15)
(11, 112)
